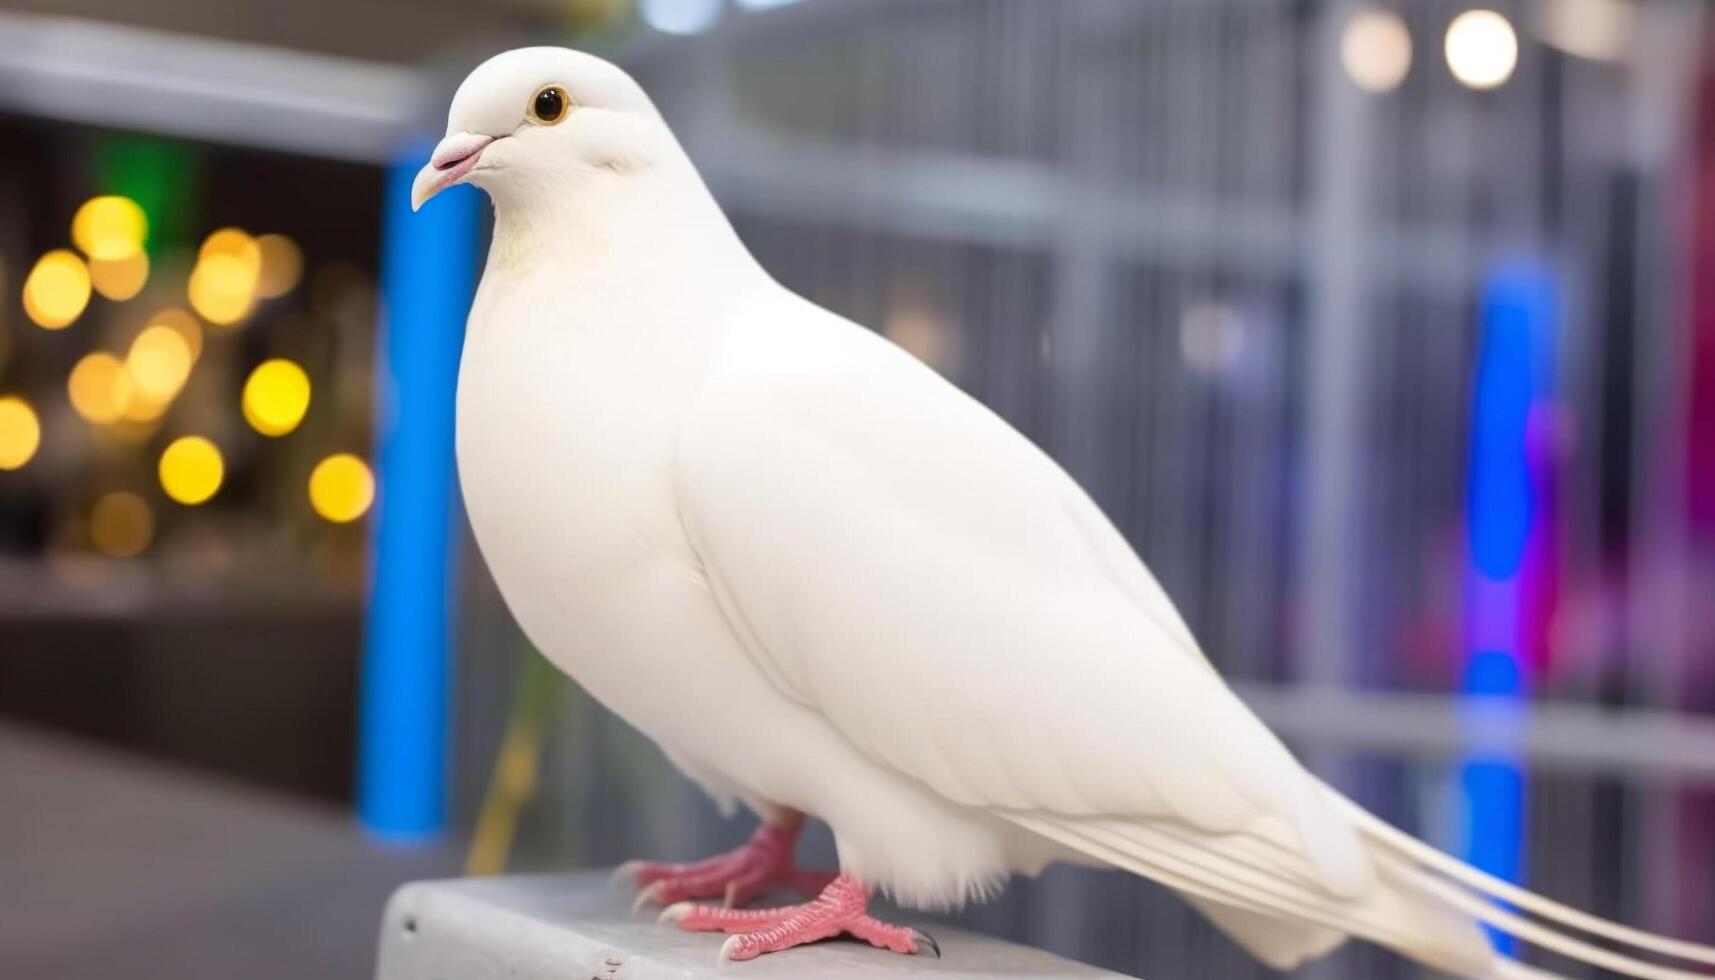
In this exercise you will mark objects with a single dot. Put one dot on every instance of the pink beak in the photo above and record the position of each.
(454, 158)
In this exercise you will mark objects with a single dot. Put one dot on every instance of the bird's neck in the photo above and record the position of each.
(662, 228)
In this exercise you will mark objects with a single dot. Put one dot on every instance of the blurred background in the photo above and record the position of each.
(1385, 330)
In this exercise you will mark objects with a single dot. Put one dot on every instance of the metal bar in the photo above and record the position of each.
(104, 74)
(959, 197)
(1634, 744)
(1337, 357)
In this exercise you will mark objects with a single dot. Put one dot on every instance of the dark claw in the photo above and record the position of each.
(924, 940)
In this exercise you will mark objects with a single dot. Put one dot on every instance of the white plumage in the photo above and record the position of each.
(824, 579)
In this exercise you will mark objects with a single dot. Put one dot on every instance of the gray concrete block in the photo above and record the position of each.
(574, 927)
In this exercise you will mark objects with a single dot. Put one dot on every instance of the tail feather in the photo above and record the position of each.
(1542, 936)
(1414, 850)
(1398, 868)
(1506, 969)
(1332, 843)
(1264, 875)
(1210, 868)
(1280, 943)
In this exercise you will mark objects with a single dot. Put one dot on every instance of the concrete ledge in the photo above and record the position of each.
(573, 927)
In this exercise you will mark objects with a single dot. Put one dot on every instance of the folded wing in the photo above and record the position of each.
(902, 560)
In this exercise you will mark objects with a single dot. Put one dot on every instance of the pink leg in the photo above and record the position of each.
(843, 906)
(762, 863)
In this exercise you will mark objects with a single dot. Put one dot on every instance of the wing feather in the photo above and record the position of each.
(903, 561)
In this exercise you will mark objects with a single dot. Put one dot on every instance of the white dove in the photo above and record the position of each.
(827, 582)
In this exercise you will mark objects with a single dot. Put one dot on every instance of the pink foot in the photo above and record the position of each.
(843, 906)
(763, 863)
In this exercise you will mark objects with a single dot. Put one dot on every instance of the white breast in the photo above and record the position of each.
(564, 448)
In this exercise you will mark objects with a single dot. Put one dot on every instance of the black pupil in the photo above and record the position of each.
(549, 104)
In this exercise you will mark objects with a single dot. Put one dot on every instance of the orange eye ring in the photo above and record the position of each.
(550, 104)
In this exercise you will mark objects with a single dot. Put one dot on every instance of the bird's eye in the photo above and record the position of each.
(550, 104)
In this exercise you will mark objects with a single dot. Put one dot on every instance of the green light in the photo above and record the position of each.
(159, 175)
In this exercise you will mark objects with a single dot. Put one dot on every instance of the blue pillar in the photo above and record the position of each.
(1507, 523)
(428, 277)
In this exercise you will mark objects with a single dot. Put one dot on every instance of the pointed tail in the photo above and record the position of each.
(1476, 892)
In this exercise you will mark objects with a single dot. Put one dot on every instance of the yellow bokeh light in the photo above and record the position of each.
(282, 265)
(234, 243)
(20, 432)
(159, 362)
(57, 289)
(121, 524)
(222, 288)
(183, 324)
(143, 408)
(109, 228)
(100, 387)
(341, 488)
(191, 470)
(120, 279)
(276, 396)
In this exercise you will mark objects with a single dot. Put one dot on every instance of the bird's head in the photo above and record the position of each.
(539, 118)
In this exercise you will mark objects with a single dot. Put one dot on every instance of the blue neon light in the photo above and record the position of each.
(428, 277)
(1514, 372)
(1500, 492)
